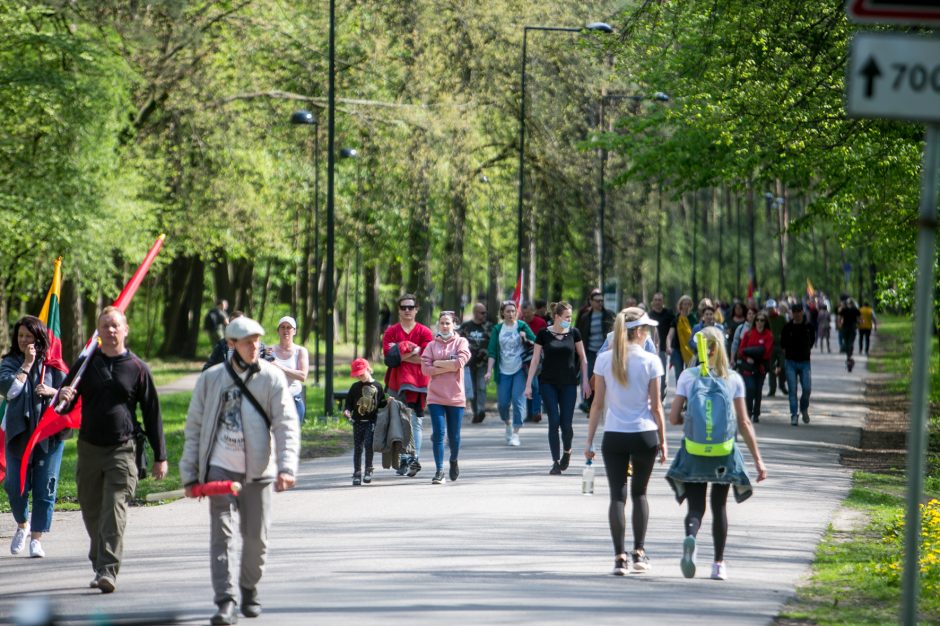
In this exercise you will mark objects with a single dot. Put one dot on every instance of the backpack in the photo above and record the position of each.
(710, 426)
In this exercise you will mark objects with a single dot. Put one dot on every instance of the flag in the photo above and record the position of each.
(750, 288)
(517, 292)
(52, 421)
(809, 288)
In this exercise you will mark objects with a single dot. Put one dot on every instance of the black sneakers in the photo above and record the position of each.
(357, 479)
(556, 469)
(367, 477)
(565, 459)
(438, 477)
(227, 614)
(454, 471)
(641, 562)
(414, 468)
(250, 605)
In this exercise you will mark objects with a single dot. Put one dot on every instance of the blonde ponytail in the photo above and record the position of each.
(717, 357)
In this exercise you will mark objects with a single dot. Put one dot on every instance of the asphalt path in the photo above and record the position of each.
(505, 544)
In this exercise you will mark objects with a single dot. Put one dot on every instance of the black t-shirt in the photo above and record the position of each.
(365, 405)
(560, 364)
(850, 318)
(666, 319)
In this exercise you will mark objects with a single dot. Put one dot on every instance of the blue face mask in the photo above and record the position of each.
(566, 324)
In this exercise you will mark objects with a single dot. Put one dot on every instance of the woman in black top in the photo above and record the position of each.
(560, 352)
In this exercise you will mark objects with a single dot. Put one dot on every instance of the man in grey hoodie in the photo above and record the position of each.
(236, 408)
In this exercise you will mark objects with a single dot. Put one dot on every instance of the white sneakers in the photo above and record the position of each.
(508, 432)
(19, 540)
(35, 549)
(719, 572)
(514, 440)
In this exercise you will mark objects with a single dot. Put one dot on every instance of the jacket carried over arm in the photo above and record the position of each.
(268, 452)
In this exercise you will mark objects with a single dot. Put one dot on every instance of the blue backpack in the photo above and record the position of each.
(709, 424)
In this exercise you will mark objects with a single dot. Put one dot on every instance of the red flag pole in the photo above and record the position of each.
(52, 420)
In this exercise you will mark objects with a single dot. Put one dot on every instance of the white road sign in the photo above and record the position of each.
(894, 76)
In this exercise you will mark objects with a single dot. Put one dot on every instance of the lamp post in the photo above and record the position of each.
(304, 117)
(595, 26)
(659, 96)
(330, 171)
(351, 153)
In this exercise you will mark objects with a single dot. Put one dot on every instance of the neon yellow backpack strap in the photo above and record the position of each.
(702, 346)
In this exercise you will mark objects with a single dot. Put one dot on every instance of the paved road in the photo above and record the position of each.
(505, 544)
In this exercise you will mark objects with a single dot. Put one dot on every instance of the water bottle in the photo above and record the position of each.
(587, 479)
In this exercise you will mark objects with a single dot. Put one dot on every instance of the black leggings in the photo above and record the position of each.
(695, 494)
(619, 451)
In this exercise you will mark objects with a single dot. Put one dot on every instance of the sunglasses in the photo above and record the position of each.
(407, 307)
(450, 313)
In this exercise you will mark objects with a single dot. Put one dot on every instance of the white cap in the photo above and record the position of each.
(646, 320)
(290, 320)
(242, 327)
(771, 303)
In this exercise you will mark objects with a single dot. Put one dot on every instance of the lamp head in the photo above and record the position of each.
(303, 117)
(600, 26)
(348, 153)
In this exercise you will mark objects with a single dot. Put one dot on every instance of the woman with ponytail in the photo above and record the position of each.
(627, 380)
(559, 350)
(690, 473)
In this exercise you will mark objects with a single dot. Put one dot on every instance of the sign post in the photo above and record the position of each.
(894, 75)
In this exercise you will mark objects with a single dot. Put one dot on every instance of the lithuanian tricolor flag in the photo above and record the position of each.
(50, 317)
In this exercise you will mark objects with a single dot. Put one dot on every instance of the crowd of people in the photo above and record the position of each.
(243, 423)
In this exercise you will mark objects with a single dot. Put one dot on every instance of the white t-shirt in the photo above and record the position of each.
(628, 408)
(229, 449)
(295, 387)
(510, 350)
(735, 383)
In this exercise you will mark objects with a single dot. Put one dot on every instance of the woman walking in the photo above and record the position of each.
(626, 380)
(753, 356)
(29, 380)
(690, 474)
(443, 361)
(506, 351)
(293, 361)
(559, 350)
(680, 333)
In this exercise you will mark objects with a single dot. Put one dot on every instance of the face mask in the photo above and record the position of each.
(446, 336)
(566, 325)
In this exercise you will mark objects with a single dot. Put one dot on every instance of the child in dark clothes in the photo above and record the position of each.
(363, 402)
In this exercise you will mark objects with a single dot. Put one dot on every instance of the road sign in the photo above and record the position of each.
(914, 12)
(894, 76)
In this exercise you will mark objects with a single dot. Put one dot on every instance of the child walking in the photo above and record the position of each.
(363, 402)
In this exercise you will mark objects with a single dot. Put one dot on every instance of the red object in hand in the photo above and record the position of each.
(217, 488)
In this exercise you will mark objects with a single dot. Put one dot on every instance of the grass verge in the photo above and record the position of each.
(856, 575)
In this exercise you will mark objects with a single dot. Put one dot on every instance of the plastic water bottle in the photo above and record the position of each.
(587, 479)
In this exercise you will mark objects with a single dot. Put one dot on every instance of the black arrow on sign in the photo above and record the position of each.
(870, 71)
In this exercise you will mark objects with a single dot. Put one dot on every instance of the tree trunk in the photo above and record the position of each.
(70, 318)
(371, 342)
(453, 252)
(182, 315)
(419, 268)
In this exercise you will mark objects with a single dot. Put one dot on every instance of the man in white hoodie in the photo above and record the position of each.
(241, 426)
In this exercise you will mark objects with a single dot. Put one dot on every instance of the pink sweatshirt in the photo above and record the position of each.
(446, 388)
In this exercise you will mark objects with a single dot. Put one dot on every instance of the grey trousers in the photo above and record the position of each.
(106, 477)
(253, 505)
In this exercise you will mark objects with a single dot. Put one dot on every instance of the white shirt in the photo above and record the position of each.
(510, 350)
(292, 362)
(628, 408)
(735, 383)
(228, 452)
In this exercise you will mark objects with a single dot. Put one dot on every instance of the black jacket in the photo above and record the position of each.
(584, 324)
(797, 340)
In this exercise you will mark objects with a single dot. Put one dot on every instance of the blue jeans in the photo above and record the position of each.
(510, 389)
(451, 418)
(534, 406)
(301, 406)
(42, 480)
(559, 404)
(802, 370)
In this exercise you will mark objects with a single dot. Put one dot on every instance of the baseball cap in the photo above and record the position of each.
(771, 303)
(242, 327)
(645, 320)
(359, 367)
(796, 306)
(290, 320)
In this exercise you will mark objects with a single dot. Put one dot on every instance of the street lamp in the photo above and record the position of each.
(778, 202)
(594, 26)
(330, 170)
(350, 153)
(304, 117)
(659, 96)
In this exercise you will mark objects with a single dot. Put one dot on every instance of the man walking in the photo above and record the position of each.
(238, 409)
(115, 384)
(776, 369)
(798, 338)
(536, 323)
(594, 324)
(849, 316)
(477, 333)
(407, 340)
(215, 322)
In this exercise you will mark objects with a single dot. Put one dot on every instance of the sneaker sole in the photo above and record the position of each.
(106, 585)
(687, 564)
(619, 571)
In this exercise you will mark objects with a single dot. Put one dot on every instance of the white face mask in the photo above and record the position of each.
(446, 336)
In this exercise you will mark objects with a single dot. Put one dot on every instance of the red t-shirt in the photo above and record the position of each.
(537, 323)
(407, 377)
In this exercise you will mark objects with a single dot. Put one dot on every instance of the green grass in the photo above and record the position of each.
(852, 580)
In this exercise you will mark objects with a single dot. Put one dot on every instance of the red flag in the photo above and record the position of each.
(750, 288)
(52, 421)
(517, 292)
